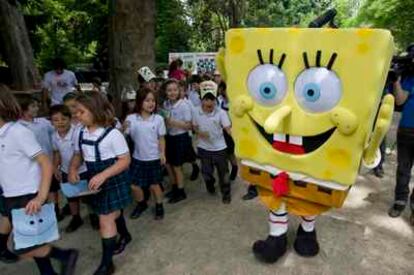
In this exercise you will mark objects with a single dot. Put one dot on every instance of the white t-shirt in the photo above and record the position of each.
(112, 146)
(212, 123)
(20, 174)
(43, 131)
(194, 97)
(66, 147)
(59, 85)
(145, 135)
(179, 111)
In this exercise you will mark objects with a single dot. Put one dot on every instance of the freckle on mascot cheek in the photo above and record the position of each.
(307, 112)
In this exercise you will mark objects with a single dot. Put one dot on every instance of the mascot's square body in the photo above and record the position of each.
(306, 108)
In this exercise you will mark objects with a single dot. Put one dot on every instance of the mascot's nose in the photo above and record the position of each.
(276, 118)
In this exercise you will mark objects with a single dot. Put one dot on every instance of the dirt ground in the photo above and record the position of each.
(203, 236)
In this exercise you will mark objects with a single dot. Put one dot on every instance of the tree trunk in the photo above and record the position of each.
(131, 44)
(15, 46)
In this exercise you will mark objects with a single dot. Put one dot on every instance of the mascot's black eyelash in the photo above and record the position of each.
(281, 60)
(318, 60)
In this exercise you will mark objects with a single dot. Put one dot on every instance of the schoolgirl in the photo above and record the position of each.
(147, 130)
(106, 155)
(25, 176)
(178, 141)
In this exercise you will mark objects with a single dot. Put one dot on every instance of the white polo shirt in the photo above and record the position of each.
(145, 134)
(20, 174)
(212, 123)
(112, 146)
(179, 111)
(66, 147)
(43, 131)
(59, 85)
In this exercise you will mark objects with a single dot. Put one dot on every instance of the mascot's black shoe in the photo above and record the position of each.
(306, 243)
(270, 250)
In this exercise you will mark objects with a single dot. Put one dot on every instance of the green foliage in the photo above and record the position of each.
(172, 30)
(396, 15)
(72, 29)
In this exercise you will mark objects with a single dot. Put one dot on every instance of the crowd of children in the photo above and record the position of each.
(123, 160)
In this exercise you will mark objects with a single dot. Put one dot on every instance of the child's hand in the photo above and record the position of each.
(203, 135)
(34, 205)
(163, 159)
(188, 126)
(73, 177)
(96, 182)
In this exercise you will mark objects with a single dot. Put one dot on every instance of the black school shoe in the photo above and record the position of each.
(306, 243)
(172, 192)
(396, 210)
(139, 209)
(69, 265)
(122, 243)
(159, 211)
(271, 249)
(74, 224)
(178, 196)
(8, 257)
(105, 270)
(251, 193)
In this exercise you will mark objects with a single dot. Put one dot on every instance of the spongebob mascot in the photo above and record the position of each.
(307, 110)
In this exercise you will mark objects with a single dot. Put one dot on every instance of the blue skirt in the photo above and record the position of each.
(115, 193)
(146, 173)
(179, 149)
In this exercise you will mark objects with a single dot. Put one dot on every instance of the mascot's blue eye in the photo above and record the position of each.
(267, 84)
(318, 90)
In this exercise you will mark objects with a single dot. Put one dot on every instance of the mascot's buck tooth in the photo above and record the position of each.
(306, 110)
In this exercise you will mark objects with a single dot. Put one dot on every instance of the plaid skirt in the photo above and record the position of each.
(179, 149)
(115, 193)
(146, 173)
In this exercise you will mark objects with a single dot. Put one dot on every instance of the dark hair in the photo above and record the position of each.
(60, 109)
(222, 86)
(182, 83)
(141, 80)
(141, 96)
(69, 96)
(25, 100)
(58, 63)
(209, 96)
(9, 108)
(101, 109)
(179, 62)
(195, 79)
(173, 66)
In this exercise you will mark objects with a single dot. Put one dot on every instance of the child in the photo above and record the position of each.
(194, 94)
(147, 131)
(43, 130)
(64, 139)
(106, 156)
(178, 140)
(209, 122)
(25, 175)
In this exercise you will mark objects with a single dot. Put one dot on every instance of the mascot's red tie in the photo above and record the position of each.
(280, 184)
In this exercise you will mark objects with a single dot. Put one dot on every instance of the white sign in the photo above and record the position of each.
(196, 62)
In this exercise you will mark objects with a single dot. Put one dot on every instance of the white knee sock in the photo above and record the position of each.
(278, 221)
(308, 223)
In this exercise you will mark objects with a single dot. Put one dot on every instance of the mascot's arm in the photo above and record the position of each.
(381, 128)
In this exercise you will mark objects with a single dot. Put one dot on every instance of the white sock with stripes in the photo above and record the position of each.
(308, 223)
(278, 221)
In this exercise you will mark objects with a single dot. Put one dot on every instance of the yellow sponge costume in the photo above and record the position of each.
(307, 103)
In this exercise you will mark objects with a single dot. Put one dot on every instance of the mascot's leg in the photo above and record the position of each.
(271, 249)
(306, 243)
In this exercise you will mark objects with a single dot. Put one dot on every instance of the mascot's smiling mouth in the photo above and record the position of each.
(296, 145)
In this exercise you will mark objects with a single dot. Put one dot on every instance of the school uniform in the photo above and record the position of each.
(146, 166)
(100, 150)
(20, 174)
(43, 131)
(212, 150)
(179, 148)
(224, 104)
